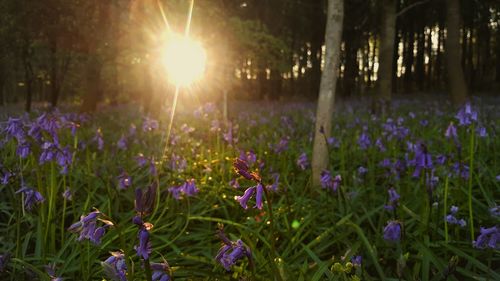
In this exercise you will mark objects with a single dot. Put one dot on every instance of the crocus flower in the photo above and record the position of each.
(302, 161)
(392, 231)
(489, 238)
(31, 197)
(115, 266)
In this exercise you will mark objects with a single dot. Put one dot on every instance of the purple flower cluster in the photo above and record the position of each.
(258, 190)
(451, 219)
(488, 238)
(31, 197)
(115, 266)
(188, 188)
(302, 161)
(160, 271)
(231, 251)
(88, 229)
(328, 182)
(466, 115)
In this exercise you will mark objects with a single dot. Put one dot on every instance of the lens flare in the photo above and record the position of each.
(184, 60)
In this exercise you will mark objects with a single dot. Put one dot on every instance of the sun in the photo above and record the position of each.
(184, 60)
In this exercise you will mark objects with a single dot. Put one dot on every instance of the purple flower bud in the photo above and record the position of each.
(144, 248)
(302, 161)
(31, 197)
(258, 196)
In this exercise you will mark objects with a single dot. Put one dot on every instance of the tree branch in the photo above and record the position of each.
(406, 9)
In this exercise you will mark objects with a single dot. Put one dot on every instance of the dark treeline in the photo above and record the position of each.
(104, 50)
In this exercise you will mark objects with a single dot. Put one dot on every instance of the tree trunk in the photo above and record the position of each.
(409, 59)
(93, 76)
(386, 53)
(54, 82)
(326, 99)
(456, 81)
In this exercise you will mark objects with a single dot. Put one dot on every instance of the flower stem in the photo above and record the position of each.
(471, 167)
(273, 246)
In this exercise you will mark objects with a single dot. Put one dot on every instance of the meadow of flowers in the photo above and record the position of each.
(410, 196)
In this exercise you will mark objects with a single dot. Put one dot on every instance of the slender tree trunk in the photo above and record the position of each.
(409, 59)
(326, 99)
(439, 57)
(386, 53)
(419, 66)
(54, 81)
(94, 84)
(28, 77)
(456, 80)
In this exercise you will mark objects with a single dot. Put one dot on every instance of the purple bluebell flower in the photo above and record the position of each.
(356, 260)
(177, 163)
(424, 122)
(423, 160)
(364, 141)
(4, 260)
(160, 271)
(51, 271)
(149, 124)
(67, 194)
(231, 252)
(234, 183)
(115, 266)
(141, 160)
(451, 217)
(188, 188)
(392, 232)
(144, 248)
(393, 199)
(31, 197)
(49, 152)
(488, 238)
(6, 175)
(241, 168)
(88, 229)
(145, 200)
(258, 196)
(362, 170)
(99, 139)
(380, 145)
(23, 150)
(215, 126)
(15, 129)
(282, 145)
(481, 132)
(122, 143)
(186, 128)
(451, 131)
(302, 161)
(441, 159)
(229, 135)
(333, 142)
(466, 115)
(246, 196)
(64, 158)
(124, 180)
(495, 211)
(385, 163)
(276, 182)
(460, 169)
(328, 182)
(498, 178)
